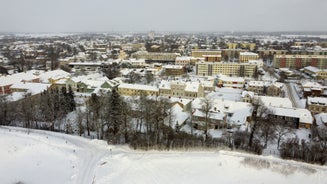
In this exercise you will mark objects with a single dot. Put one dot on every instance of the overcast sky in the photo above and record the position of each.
(162, 15)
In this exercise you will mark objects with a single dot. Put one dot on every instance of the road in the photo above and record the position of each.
(293, 95)
(290, 94)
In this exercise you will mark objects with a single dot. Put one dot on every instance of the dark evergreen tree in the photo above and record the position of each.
(115, 106)
(71, 99)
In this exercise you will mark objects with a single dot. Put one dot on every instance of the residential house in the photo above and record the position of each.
(315, 72)
(7, 81)
(281, 109)
(275, 89)
(258, 87)
(317, 105)
(247, 96)
(224, 113)
(312, 89)
(233, 82)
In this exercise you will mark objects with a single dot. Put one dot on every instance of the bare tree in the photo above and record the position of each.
(281, 132)
(267, 129)
(205, 108)
(149, 77)
(80, 124)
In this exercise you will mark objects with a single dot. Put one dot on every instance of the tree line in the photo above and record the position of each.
(44, 111)
(148, 122)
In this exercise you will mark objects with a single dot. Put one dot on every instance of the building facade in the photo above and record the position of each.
(156, 56)
(181, 89)
(246, 56)
(317, 105)
(225, 68)
(137, 89)
(300, 61)
(201, 53)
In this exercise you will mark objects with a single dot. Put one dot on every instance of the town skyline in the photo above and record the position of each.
(165, 16)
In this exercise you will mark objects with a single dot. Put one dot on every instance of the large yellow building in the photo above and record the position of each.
(243, 45)
(232, 45)
(137, 89)
(263, 53)
(246, 56)
(181, 89)
(225, 68)
(300, 61)
(212, 58)
(155, 56)
(174, 70)
(201, 53)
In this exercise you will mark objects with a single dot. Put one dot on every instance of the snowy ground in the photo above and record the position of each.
(45, 157)
(226, 94)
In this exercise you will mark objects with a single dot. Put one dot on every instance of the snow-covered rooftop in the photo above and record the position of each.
(192, 86)
(17, 77)
(231, 79)
(317, 100)
(321, 119)
(226, 93)
(250, 93)
(237, 112)
(54, 74)
(138, 87)
(256, 83)
(304, 115)
(312, 85)
(312, 69)
(278, 84)
(268, 101)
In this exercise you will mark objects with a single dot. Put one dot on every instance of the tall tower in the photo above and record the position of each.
(151, 35)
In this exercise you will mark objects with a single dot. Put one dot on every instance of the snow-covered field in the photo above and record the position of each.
(46, 157)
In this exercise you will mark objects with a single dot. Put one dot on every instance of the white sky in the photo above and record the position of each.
(163, 15)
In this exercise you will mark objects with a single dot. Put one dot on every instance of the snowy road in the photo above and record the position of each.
(293, 95)
(290, 94)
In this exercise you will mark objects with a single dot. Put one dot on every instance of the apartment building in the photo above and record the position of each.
(200, 53)
(156, 56)
(300, 61)
(257, 87)
(183, 61)
(243, 45)
(270, 52)
(228, 54)
(246, 56)
(174, 70)
(225, 68)
(212, 58)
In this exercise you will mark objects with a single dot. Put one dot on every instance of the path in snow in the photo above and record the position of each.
(88, 152)
(97, 163)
